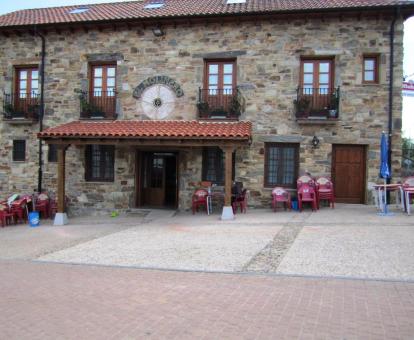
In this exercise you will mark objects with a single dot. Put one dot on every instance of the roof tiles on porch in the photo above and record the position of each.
(174, 129)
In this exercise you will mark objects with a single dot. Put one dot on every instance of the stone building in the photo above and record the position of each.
(146, 99)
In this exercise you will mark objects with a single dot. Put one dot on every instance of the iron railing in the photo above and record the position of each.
(220, 103)
(317, 103)
(98, 104)
(21, 106)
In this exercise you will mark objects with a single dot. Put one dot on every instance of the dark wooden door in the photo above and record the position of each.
(348, 173)
(154, 180)
(157, 179)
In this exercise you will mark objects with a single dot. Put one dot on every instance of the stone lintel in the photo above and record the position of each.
(213, 55)
(98, 57)
(281, 139)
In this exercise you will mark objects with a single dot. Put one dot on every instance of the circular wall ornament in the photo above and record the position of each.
(158, 101)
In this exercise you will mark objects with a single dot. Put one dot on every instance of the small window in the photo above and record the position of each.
(19, 150)
(229, 2)
(79, 10)
(52, 153)
(370, 69)
(99, 163)
(154, 4)
(281, 164)
(213, 165)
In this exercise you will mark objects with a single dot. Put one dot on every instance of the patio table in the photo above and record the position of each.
(392, 187)
(215, 195)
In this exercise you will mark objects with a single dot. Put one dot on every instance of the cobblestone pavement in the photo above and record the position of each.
(55, 301)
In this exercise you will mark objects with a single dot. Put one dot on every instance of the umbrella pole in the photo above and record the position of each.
(385, 196)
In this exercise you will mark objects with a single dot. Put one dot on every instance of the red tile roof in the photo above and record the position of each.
(130, 10)
(172, 129)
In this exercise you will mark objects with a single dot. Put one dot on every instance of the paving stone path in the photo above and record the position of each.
(54, 301)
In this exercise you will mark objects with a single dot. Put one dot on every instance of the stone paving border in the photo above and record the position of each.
(269, 258)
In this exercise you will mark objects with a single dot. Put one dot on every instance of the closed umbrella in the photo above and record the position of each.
(385, 172)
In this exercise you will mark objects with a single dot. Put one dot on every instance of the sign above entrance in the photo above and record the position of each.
(158, 80)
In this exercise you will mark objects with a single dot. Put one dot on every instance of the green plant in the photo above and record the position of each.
(89, 109)
(235, 107)
(8, 109)
(302, 104)
(203, 108)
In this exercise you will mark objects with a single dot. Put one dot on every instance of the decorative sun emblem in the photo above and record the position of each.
(158, 101)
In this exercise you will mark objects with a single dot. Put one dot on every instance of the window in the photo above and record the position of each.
(103, 80)
(220, 77)
(27, 82)
(99, 163)
(281, 164)
(370, 69)
(19, 150)
(154, 4)
(316, 76)
(52, 153)
(213, 165)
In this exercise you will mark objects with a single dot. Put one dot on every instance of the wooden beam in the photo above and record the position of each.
(150, 142)
(228, 152)
(61, 151)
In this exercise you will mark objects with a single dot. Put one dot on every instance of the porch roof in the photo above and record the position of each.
(150, 130)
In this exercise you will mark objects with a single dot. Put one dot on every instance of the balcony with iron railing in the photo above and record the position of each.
(220, 103)
(98, 104)
(317, 104)
(21, 107)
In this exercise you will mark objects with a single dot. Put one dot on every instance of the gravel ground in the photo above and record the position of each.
(380, 252)
(174, 246)
(223, 247)
(24, 243)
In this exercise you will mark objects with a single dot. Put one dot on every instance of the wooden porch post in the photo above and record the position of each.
(61, 217)
(227, 209)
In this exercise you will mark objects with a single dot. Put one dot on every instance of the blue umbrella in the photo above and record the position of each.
(385, 172)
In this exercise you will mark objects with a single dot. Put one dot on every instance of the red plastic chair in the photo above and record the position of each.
(240, 201)
(42, 205)
(307, 194)
(199, 199)
(325, 191)
(281, 195)
(6, 216)
(19, 210)
(305, 179)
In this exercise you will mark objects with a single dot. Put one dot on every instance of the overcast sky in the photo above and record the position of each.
(408, 111)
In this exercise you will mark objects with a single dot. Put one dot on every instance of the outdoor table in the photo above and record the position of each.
(213, 195)
(395, 187)
(218, 195)
(406, 192)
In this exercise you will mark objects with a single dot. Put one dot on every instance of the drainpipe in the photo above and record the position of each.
(42, 108)
(391, 86)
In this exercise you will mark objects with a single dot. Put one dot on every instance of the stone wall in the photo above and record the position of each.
(268, 63)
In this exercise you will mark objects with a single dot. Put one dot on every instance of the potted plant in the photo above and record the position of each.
(302, 105)
(203, 109)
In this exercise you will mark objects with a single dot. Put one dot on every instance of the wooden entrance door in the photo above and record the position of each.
(157, 179)
(348, 173)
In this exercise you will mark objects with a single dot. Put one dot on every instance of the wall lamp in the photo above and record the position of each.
(315, 142)
(158, 32)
